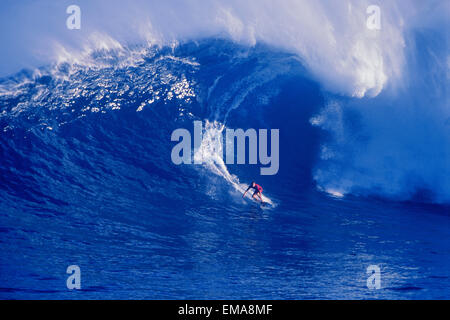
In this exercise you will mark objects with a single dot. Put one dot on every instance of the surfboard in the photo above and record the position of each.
(267, 202)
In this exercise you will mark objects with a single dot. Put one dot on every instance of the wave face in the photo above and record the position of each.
(69, 119)
(85, 149)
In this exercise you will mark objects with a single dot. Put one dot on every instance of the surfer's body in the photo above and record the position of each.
(258, 191)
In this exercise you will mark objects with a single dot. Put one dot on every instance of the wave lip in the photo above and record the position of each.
(331, 39)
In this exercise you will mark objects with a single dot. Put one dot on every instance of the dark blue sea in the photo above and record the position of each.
(86, 179)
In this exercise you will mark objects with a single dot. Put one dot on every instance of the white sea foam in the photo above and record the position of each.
(210, 154)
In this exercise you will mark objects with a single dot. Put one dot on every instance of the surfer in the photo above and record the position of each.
(258, 191)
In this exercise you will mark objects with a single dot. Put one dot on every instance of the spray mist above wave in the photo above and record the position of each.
(331, 38)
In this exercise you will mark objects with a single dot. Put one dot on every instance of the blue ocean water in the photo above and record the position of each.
(86, 179)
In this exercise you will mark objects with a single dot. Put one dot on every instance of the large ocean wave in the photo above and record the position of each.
(380, 96)
(367, 113)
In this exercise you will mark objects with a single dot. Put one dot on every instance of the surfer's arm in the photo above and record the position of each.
(245, 192)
